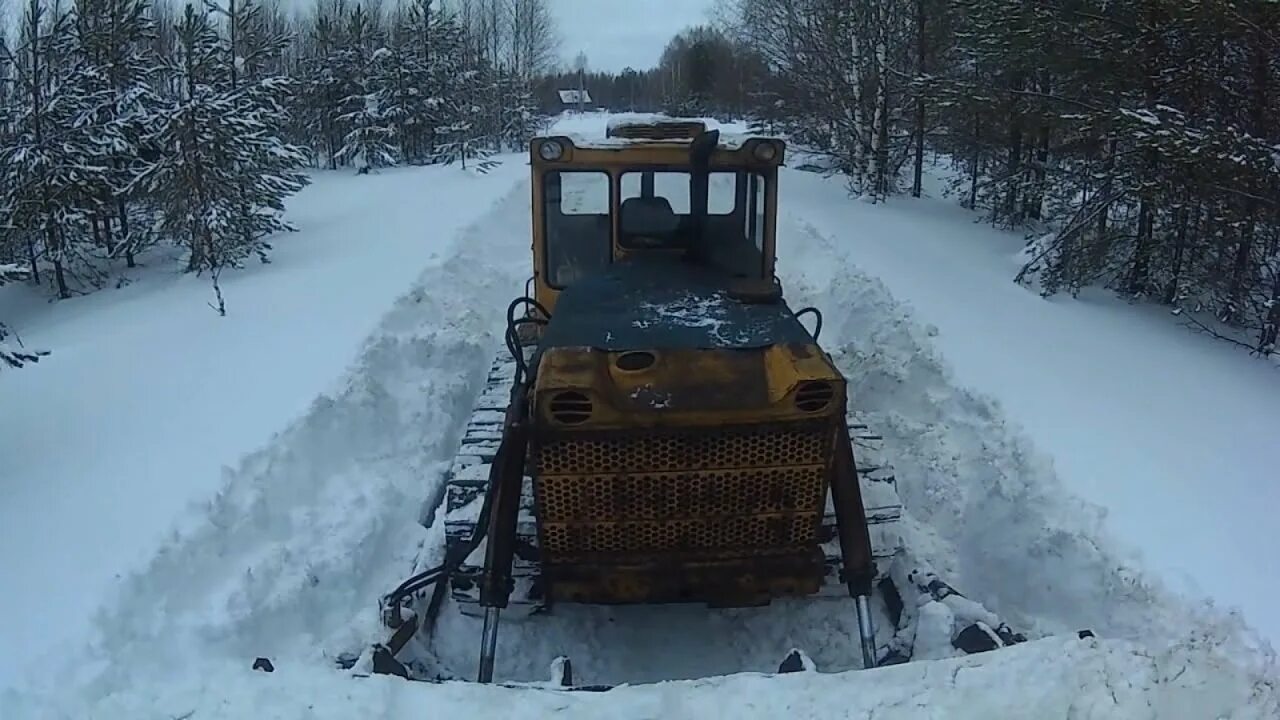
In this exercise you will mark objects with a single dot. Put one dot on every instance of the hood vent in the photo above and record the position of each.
(635, 361)
(570, 408)
(814, 396)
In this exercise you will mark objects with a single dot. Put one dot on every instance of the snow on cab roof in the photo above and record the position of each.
(728, 141)
(733, 135)
(623, 120)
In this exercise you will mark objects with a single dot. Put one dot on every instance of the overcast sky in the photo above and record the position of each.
(619, 33)
(614, 33)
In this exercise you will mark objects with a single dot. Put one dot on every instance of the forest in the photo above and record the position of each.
(1136, 143)
(128, 125)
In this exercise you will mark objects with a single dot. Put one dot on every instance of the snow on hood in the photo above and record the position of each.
(710, 311)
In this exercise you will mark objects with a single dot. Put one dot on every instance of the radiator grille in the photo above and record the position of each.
(659, 131)
(665, 493)
(672, 452)
(783, 531)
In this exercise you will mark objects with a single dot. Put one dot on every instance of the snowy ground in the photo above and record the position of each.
(1173, 433)
(1083, 680)
(287, 555)
(148, 393)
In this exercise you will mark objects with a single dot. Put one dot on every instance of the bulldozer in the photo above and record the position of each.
(662, 426)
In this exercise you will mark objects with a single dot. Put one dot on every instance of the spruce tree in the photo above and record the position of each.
(220, 147)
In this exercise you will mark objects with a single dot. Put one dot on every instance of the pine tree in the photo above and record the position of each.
(220, 148)
(117, 39)
(51, 168)
(366, 65)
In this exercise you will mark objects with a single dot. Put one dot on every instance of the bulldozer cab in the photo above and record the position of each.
(657, 189)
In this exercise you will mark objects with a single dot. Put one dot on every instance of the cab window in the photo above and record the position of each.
(578, 227)
(656, 213)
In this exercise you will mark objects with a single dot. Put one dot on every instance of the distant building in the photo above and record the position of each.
(573, 99)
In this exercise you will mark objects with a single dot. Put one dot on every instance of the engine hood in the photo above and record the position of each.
(647, 305)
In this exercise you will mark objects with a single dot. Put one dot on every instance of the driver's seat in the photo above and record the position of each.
(647, 216)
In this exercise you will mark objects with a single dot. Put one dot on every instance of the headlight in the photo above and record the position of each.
(551, 150)
(766, 151)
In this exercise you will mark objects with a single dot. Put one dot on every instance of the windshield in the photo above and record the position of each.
(579, 228)
(657, 213)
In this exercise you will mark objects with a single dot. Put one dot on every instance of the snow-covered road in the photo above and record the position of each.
(286, 556)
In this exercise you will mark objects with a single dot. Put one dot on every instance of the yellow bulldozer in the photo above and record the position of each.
(663, 427)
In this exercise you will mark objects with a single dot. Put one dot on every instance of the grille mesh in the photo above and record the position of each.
(672, 493)
(659, 453)
(659, 131)
(676, 535)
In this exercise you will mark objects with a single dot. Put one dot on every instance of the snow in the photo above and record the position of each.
(617, 121)
(694, 311)
(587, 130)
(148, 393)
(728, 140)
(1173, 433)
(1083, 679)
(369, 358)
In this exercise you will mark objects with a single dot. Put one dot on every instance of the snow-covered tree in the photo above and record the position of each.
(52, 166)
(370, 140)
(116, 38)
(223, 171)
(13, 354)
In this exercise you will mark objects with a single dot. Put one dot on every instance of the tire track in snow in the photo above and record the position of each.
(307, 533)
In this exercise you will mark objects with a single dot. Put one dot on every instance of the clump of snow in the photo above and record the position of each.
(657, 399)
(618, 121)
(589, 129)
(709, 311)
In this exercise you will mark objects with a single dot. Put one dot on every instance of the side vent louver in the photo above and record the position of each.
(570, 408)
(814, 395)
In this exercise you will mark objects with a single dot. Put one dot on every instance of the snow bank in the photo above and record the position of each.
(1083, 679)
(148, 393)
(307, 533)
(1170, 435)
(985, 505)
